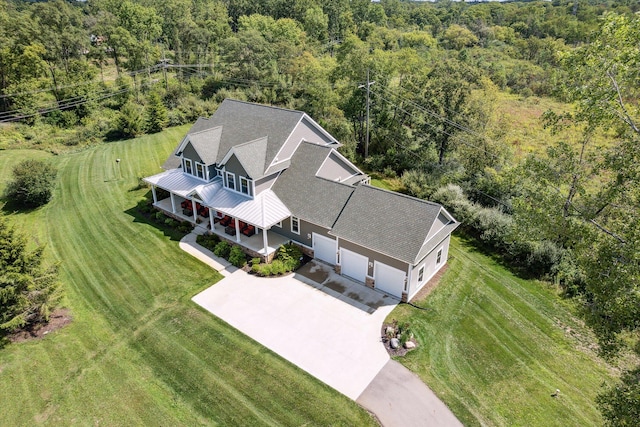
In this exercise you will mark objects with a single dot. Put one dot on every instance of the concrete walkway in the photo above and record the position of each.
(399, 398)
(328, 326)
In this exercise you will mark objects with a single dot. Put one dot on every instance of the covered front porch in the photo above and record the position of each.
(254, 244)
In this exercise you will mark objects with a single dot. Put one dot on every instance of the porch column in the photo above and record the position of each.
(155, 196)
(211, 218)
(195, 213)
(173, 203)
(265, 241)
(237, 230)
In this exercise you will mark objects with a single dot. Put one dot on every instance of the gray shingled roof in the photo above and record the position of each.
(252, 156)
(206, 143)
(390, 223)
(315, 199)
(173, 161)
(242, 122)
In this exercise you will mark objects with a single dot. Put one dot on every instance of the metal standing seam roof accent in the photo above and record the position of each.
(263, 211)
(175, 181)
(387, 222)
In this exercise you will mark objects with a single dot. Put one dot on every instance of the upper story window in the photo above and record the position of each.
(188, 167)
(231, 181)
(200, 170)
(439, 257)
(244, 185)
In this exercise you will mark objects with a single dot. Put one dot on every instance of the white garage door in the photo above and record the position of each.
(324, 248)
(353, 265)
(389, 279)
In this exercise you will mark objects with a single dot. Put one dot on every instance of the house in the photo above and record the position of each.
(261, 176)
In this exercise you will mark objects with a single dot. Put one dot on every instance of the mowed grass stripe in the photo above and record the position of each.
(494, 350)
(123, 361)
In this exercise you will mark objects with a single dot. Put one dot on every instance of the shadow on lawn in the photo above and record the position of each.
(145, 213)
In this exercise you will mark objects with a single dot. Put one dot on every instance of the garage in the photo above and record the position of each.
(353, 265)
(324, 249)
(389, 279)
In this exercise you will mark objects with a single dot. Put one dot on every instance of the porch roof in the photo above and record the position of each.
(262, 211)
(175, 181)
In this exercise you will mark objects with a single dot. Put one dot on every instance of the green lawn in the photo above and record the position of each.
(494, 347)
(139, 352)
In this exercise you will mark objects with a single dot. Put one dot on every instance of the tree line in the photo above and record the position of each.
(83, 72)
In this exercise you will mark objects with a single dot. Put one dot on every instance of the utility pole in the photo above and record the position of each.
(164, 69)
(366, 141)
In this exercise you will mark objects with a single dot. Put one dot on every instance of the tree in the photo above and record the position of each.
(28, 290)
(33, 183)
(130, 121)
(157, 117)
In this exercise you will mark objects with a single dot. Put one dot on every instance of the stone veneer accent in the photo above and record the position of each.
(405, 297)
(337, 268)
(370, 282)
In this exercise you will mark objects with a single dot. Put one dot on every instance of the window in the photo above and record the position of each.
(231, 181)
(187, 166)
(200, 170)
(421, 274)
(279, 224)
(439, 257)
(295, 225)
(244, 185)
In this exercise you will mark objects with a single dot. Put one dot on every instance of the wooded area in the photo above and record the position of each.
(79, 73)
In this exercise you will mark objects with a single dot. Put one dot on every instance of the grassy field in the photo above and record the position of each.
(494, 347)
(138, 351)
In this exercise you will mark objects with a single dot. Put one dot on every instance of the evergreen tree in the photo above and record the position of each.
(28, 290)
(157, 116)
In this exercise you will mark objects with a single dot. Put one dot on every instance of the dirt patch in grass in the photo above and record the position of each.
(58, 319)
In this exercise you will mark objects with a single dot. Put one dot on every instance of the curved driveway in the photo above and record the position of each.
(330, 327)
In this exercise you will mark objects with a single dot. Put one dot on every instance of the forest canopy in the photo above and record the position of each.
(440, 76)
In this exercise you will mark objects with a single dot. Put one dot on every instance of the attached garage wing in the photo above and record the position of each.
(353, 265)
(324, 249)
(389, 279)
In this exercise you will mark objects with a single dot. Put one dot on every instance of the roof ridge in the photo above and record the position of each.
(263, 105)
(203, 130)
(401, 195)
(334, 182)
(253, 141)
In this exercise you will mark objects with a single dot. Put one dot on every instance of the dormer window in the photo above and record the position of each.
(231, 181)
(200, 170)
(188, 167)
(244, 185)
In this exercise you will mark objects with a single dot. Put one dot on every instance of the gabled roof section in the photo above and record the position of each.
(397, 227)
(243, 121)
(251, 156)
(314, 199)
(239, 123)
(205, 142)
(173, 162)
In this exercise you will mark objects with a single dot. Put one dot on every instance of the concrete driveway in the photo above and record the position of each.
(330, 329)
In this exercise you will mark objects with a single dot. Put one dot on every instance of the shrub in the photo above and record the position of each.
(255, 261)
(33, 182)
(222, 250)
(289, 255)
(208, 241)
(160, 216)
(237, 257)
